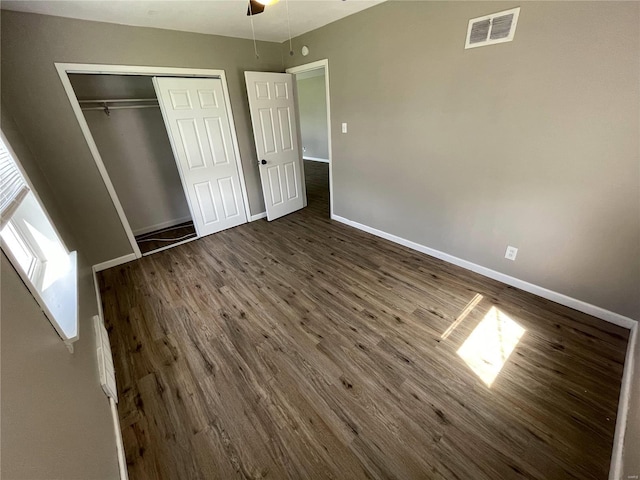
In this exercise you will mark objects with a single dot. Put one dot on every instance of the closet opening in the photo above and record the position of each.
(125, 120)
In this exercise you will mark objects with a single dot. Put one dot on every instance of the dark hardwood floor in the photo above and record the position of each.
(305, 349)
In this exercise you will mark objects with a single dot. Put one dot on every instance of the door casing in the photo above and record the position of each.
(315, 66)
(64, 69)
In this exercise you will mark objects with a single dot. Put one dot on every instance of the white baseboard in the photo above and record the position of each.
(114, 262)
(560, 298)
(122, 461)
(615, 470)
(159, 226)
(253, 218)
(316, 159)
(96, 286)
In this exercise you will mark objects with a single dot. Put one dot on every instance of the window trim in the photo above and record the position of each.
(24, 244)
(33, 282)
(27, 180)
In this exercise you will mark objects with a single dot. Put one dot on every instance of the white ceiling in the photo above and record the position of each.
(220, 17)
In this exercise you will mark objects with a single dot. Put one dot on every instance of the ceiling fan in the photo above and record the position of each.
(257, 6)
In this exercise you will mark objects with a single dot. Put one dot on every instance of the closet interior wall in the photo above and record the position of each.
(135, 149)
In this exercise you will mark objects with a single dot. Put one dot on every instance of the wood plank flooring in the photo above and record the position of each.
(305, 349)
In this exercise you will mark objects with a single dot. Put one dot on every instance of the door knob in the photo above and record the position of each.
(263, 161)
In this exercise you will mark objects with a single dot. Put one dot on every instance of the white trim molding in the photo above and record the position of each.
(560, 298)
(114, 262)
(615, 470)
(258, 216)
(63, 70)
(96, 286)
(122, 460)
(316, 159)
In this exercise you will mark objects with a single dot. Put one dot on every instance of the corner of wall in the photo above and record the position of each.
(30, 164)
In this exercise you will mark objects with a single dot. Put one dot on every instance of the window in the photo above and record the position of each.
(33, 246)
(21, 251)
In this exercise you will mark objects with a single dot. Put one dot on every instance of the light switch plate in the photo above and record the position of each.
(344, 127)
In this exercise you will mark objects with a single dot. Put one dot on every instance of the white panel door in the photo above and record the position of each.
(195, 113)
(275, 130)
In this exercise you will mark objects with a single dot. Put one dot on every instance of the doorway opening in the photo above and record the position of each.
(312, 87)
(124, 117)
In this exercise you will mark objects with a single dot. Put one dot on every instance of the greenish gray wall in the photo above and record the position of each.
(312, 107)
(56, 421)
(136, 152)
(532, 143)
(33, 93)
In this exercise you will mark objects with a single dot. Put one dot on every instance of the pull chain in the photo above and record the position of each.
(253, 33)
(289, 27)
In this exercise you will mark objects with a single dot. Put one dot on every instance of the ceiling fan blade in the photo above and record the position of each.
(254, 8)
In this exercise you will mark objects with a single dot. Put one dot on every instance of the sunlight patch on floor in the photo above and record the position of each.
(488, 347)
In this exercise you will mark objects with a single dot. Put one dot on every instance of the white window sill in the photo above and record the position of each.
(34, 247)
(61, 301)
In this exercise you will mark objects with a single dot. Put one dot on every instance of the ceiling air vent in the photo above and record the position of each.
(495, 28)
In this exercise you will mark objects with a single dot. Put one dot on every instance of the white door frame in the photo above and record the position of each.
(64, 69)
(315, 66)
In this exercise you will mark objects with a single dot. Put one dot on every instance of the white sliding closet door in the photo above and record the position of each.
(195, 113)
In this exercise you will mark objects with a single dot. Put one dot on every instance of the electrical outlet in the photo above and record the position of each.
(511, 253)
(344, 127)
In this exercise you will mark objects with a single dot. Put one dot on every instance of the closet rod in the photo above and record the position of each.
(121, 107)
(120, 100)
